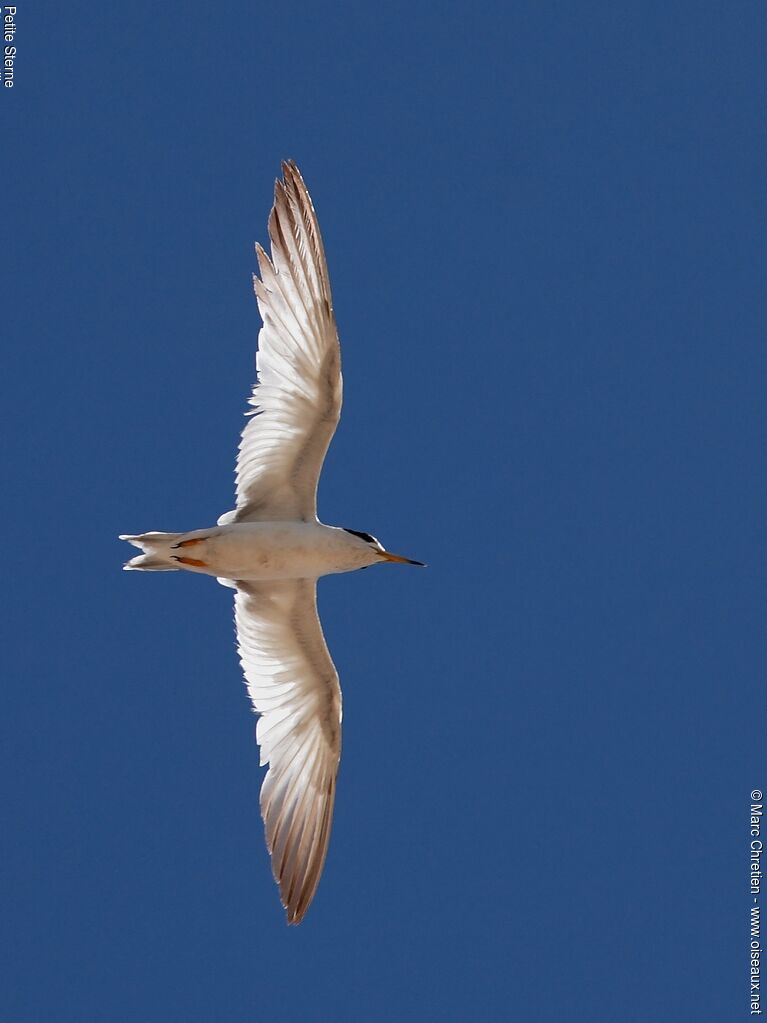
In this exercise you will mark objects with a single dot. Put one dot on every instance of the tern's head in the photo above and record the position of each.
(376, 547)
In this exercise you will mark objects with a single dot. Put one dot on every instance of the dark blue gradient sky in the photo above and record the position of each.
(545, 225)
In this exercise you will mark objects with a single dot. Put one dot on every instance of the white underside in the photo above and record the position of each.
(259, 551)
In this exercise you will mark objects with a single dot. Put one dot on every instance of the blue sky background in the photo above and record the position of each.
(545, 224)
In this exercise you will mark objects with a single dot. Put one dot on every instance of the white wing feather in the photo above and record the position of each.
(297, 397)
(293, 684)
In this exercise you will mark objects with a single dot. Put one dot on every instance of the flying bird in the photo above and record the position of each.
(272, 548)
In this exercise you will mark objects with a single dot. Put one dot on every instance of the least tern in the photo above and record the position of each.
(272, 548)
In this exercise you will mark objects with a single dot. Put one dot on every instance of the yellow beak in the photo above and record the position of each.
(388, 556)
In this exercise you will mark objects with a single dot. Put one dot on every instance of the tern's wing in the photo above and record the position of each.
(297, 398)
(294, 687)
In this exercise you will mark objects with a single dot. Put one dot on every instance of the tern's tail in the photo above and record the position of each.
(158, 554)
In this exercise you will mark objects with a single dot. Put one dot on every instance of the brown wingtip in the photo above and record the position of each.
(293, 179)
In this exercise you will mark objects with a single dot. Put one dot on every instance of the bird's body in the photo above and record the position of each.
(272, 548)
(256, 551)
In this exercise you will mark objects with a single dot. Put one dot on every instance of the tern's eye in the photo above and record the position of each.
(363, 536)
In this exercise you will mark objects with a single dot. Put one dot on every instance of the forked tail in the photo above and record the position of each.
(157, 556)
